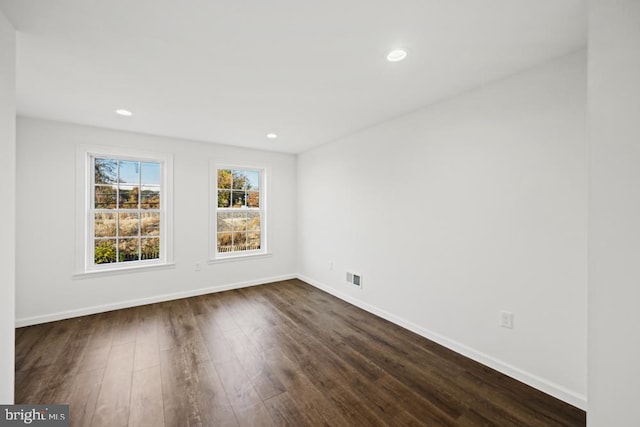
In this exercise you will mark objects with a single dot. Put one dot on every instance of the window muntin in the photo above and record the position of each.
(239, 212)
(125, 212)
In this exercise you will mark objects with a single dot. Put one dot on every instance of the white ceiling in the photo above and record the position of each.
(230, 71)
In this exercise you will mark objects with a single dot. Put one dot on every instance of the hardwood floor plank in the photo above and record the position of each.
(103, 330)
(284, 411)
(30, 384)
(308, 397)
(387, 406)
(146, 398)
(247, 405)
(148, 321)
(212, 397)
(490, 401)
(412, 403)
(239, 389)
(423, 379)
(192, 392)
(67, 364)
(279, 354)
(260, 375)
(216, 311)
(239, 343)
(179, 329)
(255, 416)
(125, 325)
(147, 351)
(56, 339)
(339, 382)
(83, 397)
(179, 390)
(215, 341)
(112, 405)
(28, 342)
(93, 358)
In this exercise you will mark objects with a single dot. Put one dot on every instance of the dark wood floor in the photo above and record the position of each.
(278, 354)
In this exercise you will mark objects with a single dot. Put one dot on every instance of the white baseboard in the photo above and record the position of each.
(532, 380)
(51, 317)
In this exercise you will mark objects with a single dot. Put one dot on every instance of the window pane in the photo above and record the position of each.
(253, 238)
(239, 221)
(105, 197)
(150, 248)
(128, 250)
(246, 180)
(129, 172)
(126, 205)
(224, 222)
(128, 197)
(105, 225)
(224, 242)
(253, 199)
(239, 228)
(150, 173)
(252, 180)
(253, 221)
(105, 171)
(239, 241)
(150, 198)
(224, 178)
(224, 198)
(104, 251)
(239, 180)
(129, 224)
(237, 199)
(150, 224)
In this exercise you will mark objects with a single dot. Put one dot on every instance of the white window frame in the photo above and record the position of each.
(84, 207)
(214, 256)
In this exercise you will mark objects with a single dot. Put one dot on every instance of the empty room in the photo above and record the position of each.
(342, 213)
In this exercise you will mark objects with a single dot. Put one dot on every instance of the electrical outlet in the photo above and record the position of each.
(506, 319)
(198, 266)
(330, 265)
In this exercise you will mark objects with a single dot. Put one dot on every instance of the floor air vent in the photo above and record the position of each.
(354, 279)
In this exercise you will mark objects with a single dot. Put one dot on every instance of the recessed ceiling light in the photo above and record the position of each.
(272, 135)
(123, 112)
(396, 55)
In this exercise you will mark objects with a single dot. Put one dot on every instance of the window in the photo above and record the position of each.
(126, 212)
(239, 212)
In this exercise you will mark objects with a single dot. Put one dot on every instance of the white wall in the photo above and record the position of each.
(452, 213)
(614, 212)
(45, 290)
(7, 206)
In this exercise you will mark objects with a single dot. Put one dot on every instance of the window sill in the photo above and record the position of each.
(124, 270)
(239, 258)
